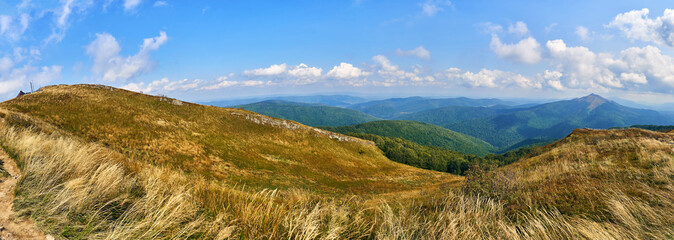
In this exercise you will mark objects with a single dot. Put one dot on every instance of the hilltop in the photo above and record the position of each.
(421, 133)
(309, 114)
(622, 179)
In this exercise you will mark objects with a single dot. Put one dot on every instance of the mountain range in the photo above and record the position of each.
(505, 125)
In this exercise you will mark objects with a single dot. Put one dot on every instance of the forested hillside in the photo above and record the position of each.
(421, 133)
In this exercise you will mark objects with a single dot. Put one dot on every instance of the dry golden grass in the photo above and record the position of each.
(79, 190)
(234, 146)
(592, 185)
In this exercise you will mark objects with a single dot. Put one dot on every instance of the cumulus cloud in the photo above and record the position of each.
(432, 7)
(392, 74)
(490, 78)
(419, 52)
(582, 67)
(111, 66)
(304, 71)
(276, 69)
(294, 75)
(346, 71)
(526, 50)
(647, 61)
(636, 25)
(643, 68)
(519, 29)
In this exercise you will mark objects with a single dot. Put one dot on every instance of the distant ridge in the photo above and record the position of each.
(555, 120)
(311, 114)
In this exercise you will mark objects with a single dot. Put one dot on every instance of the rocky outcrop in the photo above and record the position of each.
(290, 125)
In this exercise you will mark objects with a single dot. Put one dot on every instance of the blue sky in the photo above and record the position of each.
(207, 50)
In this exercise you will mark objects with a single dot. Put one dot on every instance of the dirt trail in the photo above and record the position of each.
(12, 227)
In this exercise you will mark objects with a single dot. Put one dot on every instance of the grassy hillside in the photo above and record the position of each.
(309, 114)
(83, 181)
(395, 107)
(622, 179)
(592, 185)
(555, 120)
(230, 145)
(421, 133)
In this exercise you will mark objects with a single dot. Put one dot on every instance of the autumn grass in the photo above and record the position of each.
(84, 191)
(76, 184)
(229, 145)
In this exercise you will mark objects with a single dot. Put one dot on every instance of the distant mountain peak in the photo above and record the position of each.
(594, 100)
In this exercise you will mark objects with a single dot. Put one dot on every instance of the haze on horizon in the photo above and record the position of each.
(209, 50)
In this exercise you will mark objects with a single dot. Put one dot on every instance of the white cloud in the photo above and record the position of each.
(304, 71)
(552, 79)
(14, 79)
(392, 73)
(14, 27)
(275, 69)
(636, 25)
(164, 85)
(419, 52)
(583, 33)
(489, 27)
(432, 7)
(130, 5)
(519, 29)
(346, 71)
(634, 77)
(650, 62)
(62, 17)
(550, 27)
(634, 68)
(111, 66)
(283, 74)
(582, 68)
(526, 50)
(490, 78)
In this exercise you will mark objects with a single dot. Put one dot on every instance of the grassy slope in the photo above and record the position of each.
(309, 114)
(595, 173)
(421, 133)
(592, 185)
(219, 143)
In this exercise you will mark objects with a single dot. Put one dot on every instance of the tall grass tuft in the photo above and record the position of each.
(86, 191)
